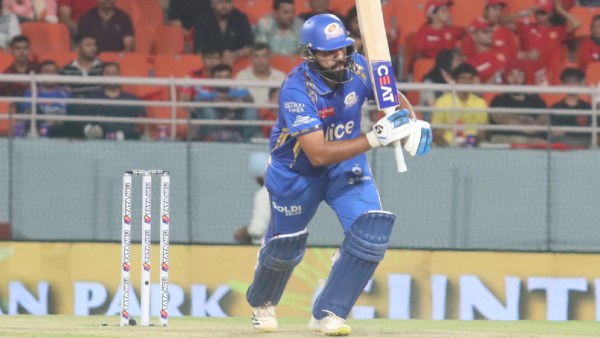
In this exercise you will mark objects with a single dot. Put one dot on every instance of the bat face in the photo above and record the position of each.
(384, 84)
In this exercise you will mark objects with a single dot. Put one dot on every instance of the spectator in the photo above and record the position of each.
(69, 12)
(445, 62)
(225, 94)
(503, 37)
(210, 60)
(183, 13)
(463, 74)
(318, 7)
(260, 70)
(515, 75)
(19, 48)
(48, 90)
(488, 61)
(112, 130)
(110, 26)
(354, 29)
(224, 29)
(269, 114)
(571, 77)
(31, 10)
(589, 50)
(86, 64)
(542, 42)
(280, 29)
(261, 211)
(437, 33)
(9, 27)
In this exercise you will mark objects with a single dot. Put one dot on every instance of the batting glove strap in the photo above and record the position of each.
(372, 139)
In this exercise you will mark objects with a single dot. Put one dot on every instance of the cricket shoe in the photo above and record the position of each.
(264, 319)
(330, 325)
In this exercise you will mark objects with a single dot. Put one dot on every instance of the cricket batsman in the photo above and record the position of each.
(318, 154)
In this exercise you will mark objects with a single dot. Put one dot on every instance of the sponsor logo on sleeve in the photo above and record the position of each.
(294, 107)
(302, 120)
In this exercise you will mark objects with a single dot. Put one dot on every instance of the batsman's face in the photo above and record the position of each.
(284, 15)
(332, 59)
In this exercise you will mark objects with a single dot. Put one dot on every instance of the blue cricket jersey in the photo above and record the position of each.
(307, 104)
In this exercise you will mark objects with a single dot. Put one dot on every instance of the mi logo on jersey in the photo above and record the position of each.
(385, 85)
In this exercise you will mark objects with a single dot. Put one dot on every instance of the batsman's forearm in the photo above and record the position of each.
(321, 152)
(404, 103)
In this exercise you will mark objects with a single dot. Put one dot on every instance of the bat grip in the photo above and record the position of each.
(400, 164)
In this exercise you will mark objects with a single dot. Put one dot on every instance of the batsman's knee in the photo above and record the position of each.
(369, 236)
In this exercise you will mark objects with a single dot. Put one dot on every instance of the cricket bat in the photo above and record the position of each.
(372, 30)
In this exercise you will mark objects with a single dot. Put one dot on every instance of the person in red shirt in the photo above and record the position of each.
(589, 49)
(438, 33)
(488, 61)
(542, 42)
(69, 12)
(503, 37)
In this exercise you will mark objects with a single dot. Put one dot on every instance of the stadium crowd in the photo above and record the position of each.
(535, 42)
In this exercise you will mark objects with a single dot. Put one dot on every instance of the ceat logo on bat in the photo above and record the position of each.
(333, 30)
(385, 84)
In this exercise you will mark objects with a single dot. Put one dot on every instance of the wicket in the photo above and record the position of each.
(146, 243)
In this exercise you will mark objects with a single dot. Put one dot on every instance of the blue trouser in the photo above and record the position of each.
(347, 187)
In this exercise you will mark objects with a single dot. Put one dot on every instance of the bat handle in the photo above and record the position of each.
(400, 164)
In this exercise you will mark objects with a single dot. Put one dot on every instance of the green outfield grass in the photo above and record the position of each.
(99, 326)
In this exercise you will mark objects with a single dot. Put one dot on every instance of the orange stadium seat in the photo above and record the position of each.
(169, 40)
(342, 6)
(412, 14)
(145, 37)
(513, 6)
(61, 59)
(301, 6)
(5, 107)
(240, 64)
(5, 60)
(285, 63)
(166, 113)
(47, 37)
(133, 65)
(254, 9)
(131, 8)
(585, 15)
(421, 68)
(150, 12)
(592, 73)
(465, 11)
(176, 65)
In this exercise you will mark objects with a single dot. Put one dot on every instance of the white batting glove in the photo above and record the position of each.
(390, 129)
(418, 143)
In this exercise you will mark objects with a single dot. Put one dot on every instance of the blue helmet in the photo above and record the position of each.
(324, 32)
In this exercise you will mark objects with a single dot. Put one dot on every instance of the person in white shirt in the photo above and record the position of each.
(261, 211)
(260, 70)
(9, 27)
(280, 29)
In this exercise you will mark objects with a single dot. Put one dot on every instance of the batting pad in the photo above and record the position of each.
(276, 263)
(363, 248)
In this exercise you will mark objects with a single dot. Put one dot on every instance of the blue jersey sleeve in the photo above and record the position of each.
(298, 111)
(362, 70)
